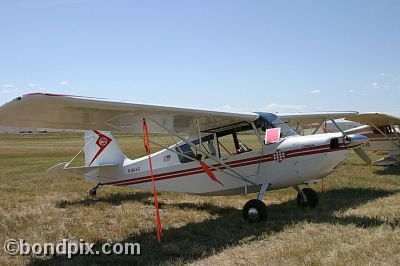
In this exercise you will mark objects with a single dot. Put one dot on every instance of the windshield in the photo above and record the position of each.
(268, 120)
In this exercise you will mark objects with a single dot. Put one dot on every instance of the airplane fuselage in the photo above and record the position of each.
(292, 161)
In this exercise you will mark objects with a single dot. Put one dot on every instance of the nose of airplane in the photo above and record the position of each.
(355, 140)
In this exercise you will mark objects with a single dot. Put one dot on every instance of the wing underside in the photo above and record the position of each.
(377, 119)
(41, 110)
(294, 119)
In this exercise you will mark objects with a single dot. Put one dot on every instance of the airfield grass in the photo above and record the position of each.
(356, 223)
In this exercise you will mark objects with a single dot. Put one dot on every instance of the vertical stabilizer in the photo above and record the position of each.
(101, 148)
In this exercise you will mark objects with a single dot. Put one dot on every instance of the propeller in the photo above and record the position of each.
(355, 139)
(363, 155)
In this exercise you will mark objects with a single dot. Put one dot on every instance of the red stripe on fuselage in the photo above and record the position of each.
(233, 164)
(201, 171)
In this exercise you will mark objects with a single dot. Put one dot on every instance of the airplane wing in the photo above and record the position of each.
(293, 119)
(44, 110)
(378, 119)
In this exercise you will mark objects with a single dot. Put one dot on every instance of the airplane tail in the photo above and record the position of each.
(102, 149)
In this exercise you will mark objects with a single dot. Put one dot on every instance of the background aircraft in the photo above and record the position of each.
(383, 133)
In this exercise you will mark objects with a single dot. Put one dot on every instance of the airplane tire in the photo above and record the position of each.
(92, 192)
(312, 198)
(255, 211)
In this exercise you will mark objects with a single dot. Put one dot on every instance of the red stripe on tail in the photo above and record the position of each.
(102, 142)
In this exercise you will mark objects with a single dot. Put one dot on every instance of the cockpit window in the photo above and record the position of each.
(186, 150)
(268, 120)
(286, 131)
(233, 139)
(222, 143)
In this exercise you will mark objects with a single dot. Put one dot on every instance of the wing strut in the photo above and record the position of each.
(319, 126)
(337, 126)
(203, 152)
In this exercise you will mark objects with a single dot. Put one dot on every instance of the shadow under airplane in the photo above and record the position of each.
(199, 240)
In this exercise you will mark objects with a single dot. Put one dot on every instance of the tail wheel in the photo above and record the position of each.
(92, 192)
(312, 198)
(255, 211)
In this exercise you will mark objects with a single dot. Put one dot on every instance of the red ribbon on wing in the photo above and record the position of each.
(209, 172)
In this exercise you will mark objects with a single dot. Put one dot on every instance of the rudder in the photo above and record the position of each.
(101, 148)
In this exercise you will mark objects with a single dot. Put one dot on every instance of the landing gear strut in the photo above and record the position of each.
(255, 210)
(92, 191)
(307, 197)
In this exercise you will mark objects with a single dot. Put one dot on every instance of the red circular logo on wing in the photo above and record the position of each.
(103, 141)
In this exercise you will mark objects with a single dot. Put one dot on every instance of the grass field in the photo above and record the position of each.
(356, 223)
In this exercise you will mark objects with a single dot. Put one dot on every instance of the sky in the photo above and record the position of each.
(240, 56)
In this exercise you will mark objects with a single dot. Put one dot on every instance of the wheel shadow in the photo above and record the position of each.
(388, 170)
(200, 240)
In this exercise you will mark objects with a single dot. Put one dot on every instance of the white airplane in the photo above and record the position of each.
(383, 132)
(201, 162)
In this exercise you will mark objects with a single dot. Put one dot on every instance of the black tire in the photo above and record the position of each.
(92, 192)
(312, 198)
(255, 211)
(300, 201)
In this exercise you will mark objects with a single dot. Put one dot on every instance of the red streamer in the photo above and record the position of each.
(146, 143)
(209, 172)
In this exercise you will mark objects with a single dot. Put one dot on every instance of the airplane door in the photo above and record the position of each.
(241, 152)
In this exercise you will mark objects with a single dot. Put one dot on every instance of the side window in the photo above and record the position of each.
(226, 146)
(185, 149)
(249, 141)
(222, 144)
(237, 143)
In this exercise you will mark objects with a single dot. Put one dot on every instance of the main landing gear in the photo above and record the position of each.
(92, 192)
(255, 210)
(307, 197)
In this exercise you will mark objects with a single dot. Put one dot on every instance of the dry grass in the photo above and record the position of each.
(357, 221)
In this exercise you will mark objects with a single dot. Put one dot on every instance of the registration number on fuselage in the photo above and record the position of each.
(133, 170)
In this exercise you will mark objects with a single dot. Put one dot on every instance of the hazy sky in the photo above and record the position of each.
(227, 55)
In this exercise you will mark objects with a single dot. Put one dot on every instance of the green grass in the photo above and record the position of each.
(357, 221)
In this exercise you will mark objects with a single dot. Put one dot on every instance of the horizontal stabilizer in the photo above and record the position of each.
(63, 169)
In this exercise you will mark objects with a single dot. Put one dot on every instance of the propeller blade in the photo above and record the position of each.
(363, 155)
